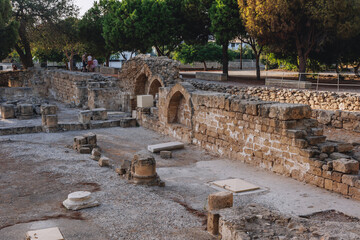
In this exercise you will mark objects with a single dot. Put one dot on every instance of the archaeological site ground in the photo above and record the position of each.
(291, 157)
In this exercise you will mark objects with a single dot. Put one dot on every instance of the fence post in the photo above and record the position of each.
(299, 80)
(338, 82)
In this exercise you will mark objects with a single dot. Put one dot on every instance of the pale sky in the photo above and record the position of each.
(84, 5)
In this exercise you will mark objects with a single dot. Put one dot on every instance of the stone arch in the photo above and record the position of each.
(179, 106)
(154, 84)
(140, 84)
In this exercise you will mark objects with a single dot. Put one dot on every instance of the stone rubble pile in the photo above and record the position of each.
(85, 144)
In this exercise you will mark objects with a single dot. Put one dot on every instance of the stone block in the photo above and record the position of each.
(145, 101)
(165, 146)
(325, 117)
(165, 154)
(51, 121)
(45, 234)
(327, 147)
(350, 179)
(90, 138)
(26, 110)
(7, 111)
(99, 114)
(213, 223)
(95, 154)
(288, 83)
(85, 116)
(220, 200)
(284, 111)
(314, 140)
(104, 162)
(337, 155)
(340, 188)
(48, 109)
(343, 147)
(344, 165)
(84, 150)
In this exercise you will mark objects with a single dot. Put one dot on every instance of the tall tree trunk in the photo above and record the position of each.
(257, 57)
(24, 51)
(241, 56)
(302, 67)
(107, 63)
(159, 52)
(205, 67)
(225, 60)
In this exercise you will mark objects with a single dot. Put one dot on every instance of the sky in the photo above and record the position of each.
(84, 5)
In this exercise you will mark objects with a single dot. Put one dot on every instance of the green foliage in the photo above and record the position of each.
(91, 31)
(33, 13)
(201, 53)
(225, 21)
(138, 25)
(52, 55)
(8, 33)
(299, 27)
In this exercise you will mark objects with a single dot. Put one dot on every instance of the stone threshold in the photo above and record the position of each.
(124, 123)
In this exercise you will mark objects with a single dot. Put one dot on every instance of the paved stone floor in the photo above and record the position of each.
(39, 170)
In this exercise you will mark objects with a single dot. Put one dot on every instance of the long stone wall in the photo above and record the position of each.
(315, 99)
(276, 136)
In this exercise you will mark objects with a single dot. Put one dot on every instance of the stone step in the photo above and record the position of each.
(165, 146)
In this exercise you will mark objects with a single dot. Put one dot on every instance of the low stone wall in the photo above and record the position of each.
(315, 99)
(338, 119)
(276, 136)
(13, 78)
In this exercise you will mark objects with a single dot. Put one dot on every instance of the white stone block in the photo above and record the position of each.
(165, 146)
(45, 234)
(80, 200)
(145, 101)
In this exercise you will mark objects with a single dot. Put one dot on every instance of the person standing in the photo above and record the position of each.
(89, 62)
(84, 63)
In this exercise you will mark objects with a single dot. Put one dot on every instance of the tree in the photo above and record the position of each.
(8, 33)
(91, 32)
(62, 36)
(32, 13)
(256, 48)
(201, 53)
(294, 26)
(225, 25)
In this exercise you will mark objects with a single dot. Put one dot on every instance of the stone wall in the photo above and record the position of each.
(315, 99)
(338, 119)
(279, 137)
(13, 78)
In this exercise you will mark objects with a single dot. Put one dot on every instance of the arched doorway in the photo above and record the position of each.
(140, 84)
(179, 110)
(154, 87)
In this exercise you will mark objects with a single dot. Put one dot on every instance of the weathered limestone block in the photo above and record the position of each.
(26, 111)
(325, 117)
(337, 155)
(165, 154)
(220, 200)
(343, 147)
(145, 101)
(143, 170)
(99, 114)
(85, 116)
(284, 111)
(7, 111)
(51, 121)
(104, 162)
(213, 223)
(95, 154)
(346, 166)
(48, 109)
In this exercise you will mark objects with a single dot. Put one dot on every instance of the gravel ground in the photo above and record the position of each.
(39, 170)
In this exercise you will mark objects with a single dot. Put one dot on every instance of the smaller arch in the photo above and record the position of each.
(154, 87)
(179, 106)
(140, 84)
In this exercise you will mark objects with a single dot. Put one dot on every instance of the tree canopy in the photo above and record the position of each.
(32, 13)
(8, 33)
(225, 25)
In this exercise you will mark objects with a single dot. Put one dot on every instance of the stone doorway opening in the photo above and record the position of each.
(179, 110)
